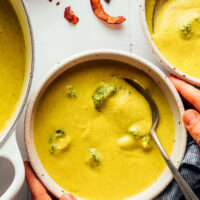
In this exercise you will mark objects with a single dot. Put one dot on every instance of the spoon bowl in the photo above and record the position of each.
(153, 106)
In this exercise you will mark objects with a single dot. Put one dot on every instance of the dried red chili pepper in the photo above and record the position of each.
(70, 16)
(100, 13)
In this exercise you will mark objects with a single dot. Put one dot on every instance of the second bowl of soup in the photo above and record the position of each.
(172, 29)
(87, 130)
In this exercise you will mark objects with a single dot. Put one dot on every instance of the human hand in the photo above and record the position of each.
(191, 117)
(38, 192)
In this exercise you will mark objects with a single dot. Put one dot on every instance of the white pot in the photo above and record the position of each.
(172, 69)
(160, 78)
(8, 144)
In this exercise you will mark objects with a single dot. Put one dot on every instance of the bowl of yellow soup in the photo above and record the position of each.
(172, 30)
(16, 71)
(87, 130)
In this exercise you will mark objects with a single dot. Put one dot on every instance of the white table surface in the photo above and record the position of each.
(56, 39)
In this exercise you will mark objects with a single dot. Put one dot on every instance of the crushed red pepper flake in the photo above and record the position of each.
(50, 0)
(107, 1)
(70, 16)
(100, 13)
(58, 3)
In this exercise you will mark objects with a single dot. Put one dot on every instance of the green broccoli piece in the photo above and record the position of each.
(94, 158)
(71, 92)
(58, 133)
(134, 131)
(102, 94)
(142, 140)
(198, 19)
(58, 142)
(186, 30)
(146, 143)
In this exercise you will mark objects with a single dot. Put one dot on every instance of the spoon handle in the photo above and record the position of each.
(185, 188)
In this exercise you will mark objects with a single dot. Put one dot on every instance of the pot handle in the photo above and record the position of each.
(10, 151)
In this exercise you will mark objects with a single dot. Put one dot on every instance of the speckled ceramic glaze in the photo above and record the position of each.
(158, 54)
(160, 78)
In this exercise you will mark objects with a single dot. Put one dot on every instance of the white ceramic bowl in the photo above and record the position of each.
(164, 62)
(135, 61)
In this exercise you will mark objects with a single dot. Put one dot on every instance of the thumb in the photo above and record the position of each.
(37, 190)
(67, 197)
(191, 120)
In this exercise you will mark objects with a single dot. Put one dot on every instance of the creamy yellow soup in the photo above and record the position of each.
(12, 61)
(177, 33)
(91, 131)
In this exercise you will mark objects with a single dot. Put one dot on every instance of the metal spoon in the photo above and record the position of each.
(185, 188)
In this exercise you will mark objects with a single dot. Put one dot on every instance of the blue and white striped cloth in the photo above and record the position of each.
(190, 170)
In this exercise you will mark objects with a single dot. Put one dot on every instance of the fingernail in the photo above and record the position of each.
(190, 117)
(67, 197)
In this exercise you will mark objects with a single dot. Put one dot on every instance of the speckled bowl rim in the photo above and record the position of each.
(162, 80)
(157, 54)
